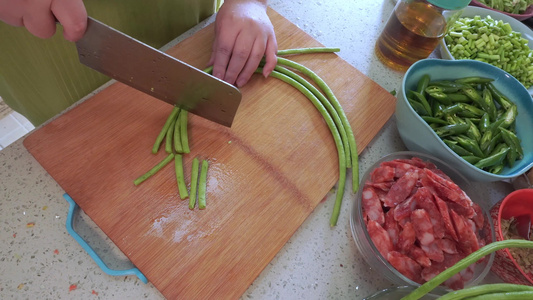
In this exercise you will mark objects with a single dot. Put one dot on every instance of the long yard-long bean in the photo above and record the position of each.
(307, 50)
(325, 102)
(485, 289)
(334, 101)
(464, 263)
(175, 131)
(336, 136)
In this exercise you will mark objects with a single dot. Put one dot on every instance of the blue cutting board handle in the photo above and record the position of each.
(71, 211)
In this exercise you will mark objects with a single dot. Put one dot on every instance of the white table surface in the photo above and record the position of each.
(318, 262)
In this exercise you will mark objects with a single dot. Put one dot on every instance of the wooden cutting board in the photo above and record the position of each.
(267, 173)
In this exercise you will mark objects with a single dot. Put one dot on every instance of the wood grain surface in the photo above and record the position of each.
(267, 173)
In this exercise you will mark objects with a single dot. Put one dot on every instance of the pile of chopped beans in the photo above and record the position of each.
(494, 42)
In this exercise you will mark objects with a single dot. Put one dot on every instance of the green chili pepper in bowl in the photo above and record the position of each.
(474, 79)
(457, 149)
(473, 131)
(470, 145)
(493, 160)
(471, 158)
(484, 123)
(513, 141)
(452, 129)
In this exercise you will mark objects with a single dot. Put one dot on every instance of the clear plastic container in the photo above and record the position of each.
(370, 252)
(414, 29)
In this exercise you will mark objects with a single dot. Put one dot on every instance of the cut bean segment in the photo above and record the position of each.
(154, 170)
(164, 130)
(202, 184)
(183, 119)
(194, 182)
(170, 135)
(180, 177)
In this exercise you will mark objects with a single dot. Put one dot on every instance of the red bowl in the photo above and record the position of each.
(517, 203)
(520, 17)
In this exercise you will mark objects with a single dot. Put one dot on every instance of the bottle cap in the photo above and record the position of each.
(450, 4)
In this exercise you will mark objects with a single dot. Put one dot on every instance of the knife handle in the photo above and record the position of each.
(70, 228)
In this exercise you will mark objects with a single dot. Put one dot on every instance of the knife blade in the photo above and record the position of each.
(157, 74)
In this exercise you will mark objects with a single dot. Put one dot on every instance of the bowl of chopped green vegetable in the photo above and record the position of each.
(512, 220)
(492, 37)
(518, 9)
(470, 114)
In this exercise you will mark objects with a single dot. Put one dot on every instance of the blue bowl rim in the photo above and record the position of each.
(443, 62)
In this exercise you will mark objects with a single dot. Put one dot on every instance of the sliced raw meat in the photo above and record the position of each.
(447, 246)
(437, 267)
(419, 256)
(426, 201)
(479, 218)
(392, 227)
(407, 238)
(400, 168)
(404, 209)
(446, 189)
(382, 174)
(372, 209)
(445, 213)
(420, 163)
(405, 265)
(455, 282)
(401, 189)
(380, 238)
(433, 251)
(467, 212)
(423, 227)
(468, 241)
(381, 186)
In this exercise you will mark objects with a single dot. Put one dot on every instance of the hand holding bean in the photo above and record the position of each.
(244, 34)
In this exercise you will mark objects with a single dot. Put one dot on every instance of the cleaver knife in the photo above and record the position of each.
(157, 74)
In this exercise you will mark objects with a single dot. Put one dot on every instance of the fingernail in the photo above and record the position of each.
(240, 83)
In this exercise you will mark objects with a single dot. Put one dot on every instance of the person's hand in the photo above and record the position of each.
(243, 35)
(39, 16)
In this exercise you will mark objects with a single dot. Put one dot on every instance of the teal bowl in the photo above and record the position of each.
(418, 136)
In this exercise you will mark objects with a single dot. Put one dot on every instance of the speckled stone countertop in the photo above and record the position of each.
(40, 260)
